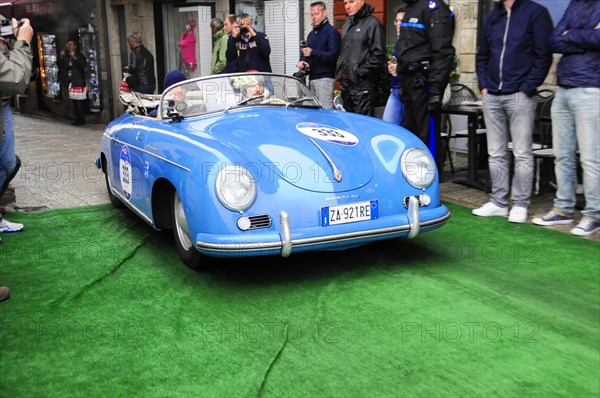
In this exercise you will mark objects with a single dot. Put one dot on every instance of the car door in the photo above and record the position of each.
(129, 168)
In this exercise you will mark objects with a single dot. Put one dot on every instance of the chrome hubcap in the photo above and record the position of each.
(181, 225)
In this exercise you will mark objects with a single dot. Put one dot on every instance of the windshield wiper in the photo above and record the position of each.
(300, 100)
(243, 102)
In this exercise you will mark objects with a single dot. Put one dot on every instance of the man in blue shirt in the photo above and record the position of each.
(576, 116)
(512, 61)
(320, 54)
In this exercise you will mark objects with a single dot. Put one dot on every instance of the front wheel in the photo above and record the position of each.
(185, 246)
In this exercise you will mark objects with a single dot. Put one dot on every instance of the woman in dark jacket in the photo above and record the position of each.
(72, 65)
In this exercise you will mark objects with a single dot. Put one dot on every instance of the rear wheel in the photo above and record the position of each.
(185, 246)
(113, 199)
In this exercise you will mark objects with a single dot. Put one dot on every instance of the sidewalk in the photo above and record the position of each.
(57, 165)
(58, 170)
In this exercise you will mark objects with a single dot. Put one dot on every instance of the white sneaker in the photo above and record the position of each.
(489, 209)
(7, 226)
(517, 214)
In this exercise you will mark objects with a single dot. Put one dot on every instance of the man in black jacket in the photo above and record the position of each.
(425, 57)
(362, 57)
(141, 66)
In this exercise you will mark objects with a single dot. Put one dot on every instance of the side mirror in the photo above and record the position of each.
(338, 103)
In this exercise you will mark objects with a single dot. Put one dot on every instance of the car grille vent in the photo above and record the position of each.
(424, 200)
(261, 221)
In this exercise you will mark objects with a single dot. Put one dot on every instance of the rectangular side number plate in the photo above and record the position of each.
(351, 212)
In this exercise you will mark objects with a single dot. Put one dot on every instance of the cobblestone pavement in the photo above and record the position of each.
(58, 170)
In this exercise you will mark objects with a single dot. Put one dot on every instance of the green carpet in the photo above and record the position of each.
(102, 307)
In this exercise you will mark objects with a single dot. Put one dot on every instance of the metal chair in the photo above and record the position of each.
(459, 95)
(543, 154)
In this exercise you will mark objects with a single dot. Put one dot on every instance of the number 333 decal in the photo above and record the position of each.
(327, 133)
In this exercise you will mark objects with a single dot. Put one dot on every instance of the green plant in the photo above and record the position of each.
(454, 75)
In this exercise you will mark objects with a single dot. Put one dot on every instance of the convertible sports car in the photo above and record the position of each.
(251, 164)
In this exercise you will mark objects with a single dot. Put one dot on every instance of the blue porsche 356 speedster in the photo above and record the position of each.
(251, 164)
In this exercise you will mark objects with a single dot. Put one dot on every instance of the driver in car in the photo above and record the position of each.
(172, 78)
(254, 89)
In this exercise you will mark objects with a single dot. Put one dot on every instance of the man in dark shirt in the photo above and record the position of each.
(141, 66)
(320, 54)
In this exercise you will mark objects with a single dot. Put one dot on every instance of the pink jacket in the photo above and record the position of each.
(187, 43)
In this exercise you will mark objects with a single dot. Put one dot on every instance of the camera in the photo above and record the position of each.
(303, 44)
(244, 30)
(6, 29)
(302, 73)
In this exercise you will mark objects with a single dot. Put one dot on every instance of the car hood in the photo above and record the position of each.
(314, 150)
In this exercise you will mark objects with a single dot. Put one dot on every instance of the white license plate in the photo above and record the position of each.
(351, 212)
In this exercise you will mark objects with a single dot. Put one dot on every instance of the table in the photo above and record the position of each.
(473, 114)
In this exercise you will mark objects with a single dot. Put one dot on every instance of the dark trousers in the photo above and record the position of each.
(415, 95)
(359, 100)
(78, 109)
(146, 88)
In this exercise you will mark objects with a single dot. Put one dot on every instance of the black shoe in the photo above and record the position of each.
(12, 175)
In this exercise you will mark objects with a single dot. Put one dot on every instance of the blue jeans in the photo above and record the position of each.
(510, 118)
(8, 161)
(394, 108)
(576, 125)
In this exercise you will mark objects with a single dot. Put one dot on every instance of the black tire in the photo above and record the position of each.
(185, 246)
(113, 199)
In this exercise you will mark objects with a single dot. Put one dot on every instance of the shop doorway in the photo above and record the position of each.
(175, 18)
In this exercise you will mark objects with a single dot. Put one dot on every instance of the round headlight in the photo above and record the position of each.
(236, 188)
(418, 167)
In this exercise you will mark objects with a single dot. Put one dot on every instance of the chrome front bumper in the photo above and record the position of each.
(285, 244)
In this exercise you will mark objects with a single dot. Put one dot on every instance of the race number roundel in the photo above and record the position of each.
(327, 133)
(125, 172)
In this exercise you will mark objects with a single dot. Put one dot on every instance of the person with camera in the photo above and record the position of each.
(15, 74)
(249, 47)
(72, 65)
(362, 57)
(319, 55)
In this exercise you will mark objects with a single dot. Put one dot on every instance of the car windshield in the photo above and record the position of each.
(220, 93)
